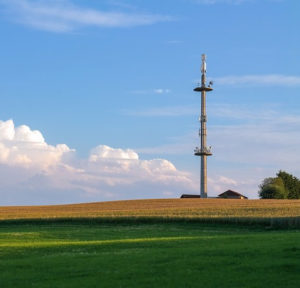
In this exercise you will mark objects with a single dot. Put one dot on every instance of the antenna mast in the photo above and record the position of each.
(203, 151)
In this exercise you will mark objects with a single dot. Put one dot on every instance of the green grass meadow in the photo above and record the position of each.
(191, 254)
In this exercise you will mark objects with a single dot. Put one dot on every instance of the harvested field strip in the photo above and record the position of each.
(174, 208)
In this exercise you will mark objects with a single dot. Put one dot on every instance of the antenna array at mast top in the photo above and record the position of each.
(203, 67)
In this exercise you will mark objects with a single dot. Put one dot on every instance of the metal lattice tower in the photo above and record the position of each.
(203, 151)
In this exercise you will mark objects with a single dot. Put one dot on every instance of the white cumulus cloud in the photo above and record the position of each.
(34, 172)
(106, 152)
(23, 146)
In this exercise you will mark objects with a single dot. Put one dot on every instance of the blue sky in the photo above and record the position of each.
(115, 79)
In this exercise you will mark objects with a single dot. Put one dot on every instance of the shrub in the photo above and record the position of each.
(291, 184)
(273, 188)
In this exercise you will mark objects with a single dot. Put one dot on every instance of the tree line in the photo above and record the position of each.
(283, 186)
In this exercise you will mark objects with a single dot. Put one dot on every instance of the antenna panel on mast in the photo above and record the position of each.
(203, 67)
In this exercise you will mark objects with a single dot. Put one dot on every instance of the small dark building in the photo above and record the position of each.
(229, 194)
(189, 196)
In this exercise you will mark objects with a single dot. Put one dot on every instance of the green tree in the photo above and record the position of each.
(291, 184)
(272, 188)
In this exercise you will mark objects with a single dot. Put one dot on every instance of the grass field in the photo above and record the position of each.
(152, 243)
(147, 255)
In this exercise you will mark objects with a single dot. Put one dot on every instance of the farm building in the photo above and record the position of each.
(229, 194)
(189, 196)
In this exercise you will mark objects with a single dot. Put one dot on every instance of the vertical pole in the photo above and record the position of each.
(203, 184)
(203, 151)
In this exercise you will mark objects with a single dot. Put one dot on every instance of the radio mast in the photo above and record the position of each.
(203, 151)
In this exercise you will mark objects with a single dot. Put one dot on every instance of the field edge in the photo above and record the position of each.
(271, 223)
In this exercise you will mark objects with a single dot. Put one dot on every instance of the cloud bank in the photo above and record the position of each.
(34, 172)
(248, 145)
(64, 16)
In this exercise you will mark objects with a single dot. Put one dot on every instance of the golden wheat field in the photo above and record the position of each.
(169, 208)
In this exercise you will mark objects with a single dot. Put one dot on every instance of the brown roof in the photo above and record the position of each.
(232, 193)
